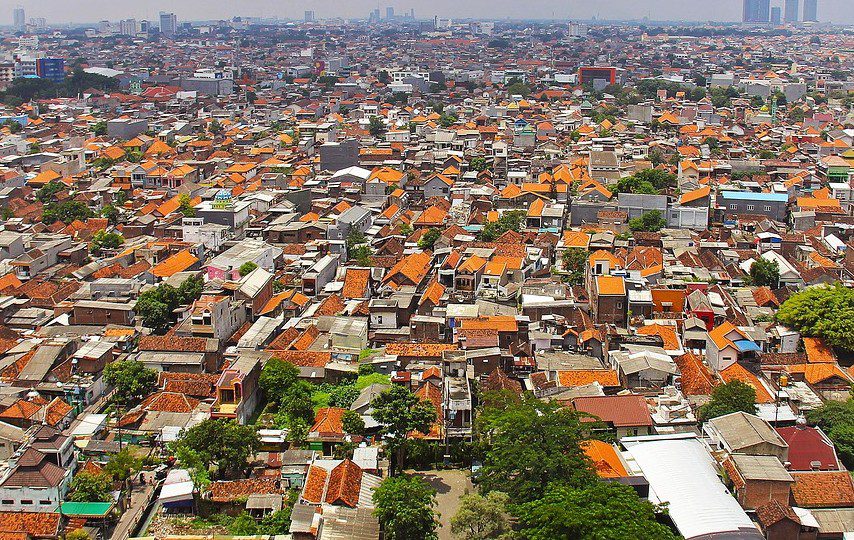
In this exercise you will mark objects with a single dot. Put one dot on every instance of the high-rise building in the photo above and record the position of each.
(776, 17)
(389, 13)
(308, 17)
(20, 18)
(756, 11)
(168, 24)
(811, 10)
(791, 12)
(128, 27)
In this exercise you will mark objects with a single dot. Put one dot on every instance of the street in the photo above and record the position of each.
(450, 486)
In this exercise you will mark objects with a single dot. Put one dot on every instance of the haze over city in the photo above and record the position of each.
(60, 11)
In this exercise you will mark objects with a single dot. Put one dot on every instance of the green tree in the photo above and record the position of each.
(825, 312)
(246, 268)
(477, 164)
(353, 423)
(154, 314)
(131, 379)
(509, 221)
(278, 522)
(362, 255)
(243, 525)
(727, 398)
(574, 263)
(221, 443)
(400, 412)
(66, 212)
(47, 193)
(447, 120)
(836, 419)
(343, 396)
(376, 126)
(102, 240)
(598, 511)
(78, 534)
(122, 465)
(527, 443)
(185, 205)
(428, 239)
(404, 508)
(90, 487)
(214, 127)
(765, 273)
(99, 129)
(651, 221)
(111, 213)
(276, 379)
(482, 517)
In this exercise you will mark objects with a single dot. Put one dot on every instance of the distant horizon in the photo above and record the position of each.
(57, 12)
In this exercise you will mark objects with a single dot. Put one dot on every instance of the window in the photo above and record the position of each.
(379, 319)
(26, 501)
(749, 207)
(8, 501)
(733, 207)
(45, 502)
(619, 305)
(767, 207)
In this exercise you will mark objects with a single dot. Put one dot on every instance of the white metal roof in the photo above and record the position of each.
(680, 472)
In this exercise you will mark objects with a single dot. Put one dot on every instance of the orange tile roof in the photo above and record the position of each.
(823, 489)
(818, 351)
(666, 332)
(178, 262)
(737, 372)
(820, 372)
(501, 323)
(611, 285)
(356, 283)
(605, 459)
(582, 377)
(328, 421)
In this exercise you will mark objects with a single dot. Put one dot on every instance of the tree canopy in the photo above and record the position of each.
(400, 412)
(223, 443)
(598, 511)
(404, 508)
(428, 239)
(508, 221)
(90, 487)
(528, 444)
(131, 379)
(765, 273)
(836, 418)
(482, 517)
(727, 398)
(825, 312)
(651, 221)
(155, 305)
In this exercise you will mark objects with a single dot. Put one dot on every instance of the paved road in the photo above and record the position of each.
(136, 510)
(450, 486)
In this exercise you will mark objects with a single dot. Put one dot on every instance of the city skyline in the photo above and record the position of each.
(836, 11)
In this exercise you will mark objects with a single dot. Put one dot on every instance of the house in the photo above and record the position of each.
(742, 433)
(726, 345)
(237, 390)
(779, 521)
(809, 448)
(39, 479)
(609, 300)
(823, 489)
(626, 415)
(757, 480)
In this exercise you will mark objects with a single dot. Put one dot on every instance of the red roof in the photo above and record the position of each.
(808, 445)
(621, 411)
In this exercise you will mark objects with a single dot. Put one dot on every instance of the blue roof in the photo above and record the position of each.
(745, 345)
(753, 196)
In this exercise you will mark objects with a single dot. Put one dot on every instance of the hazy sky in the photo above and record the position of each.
(59, 11)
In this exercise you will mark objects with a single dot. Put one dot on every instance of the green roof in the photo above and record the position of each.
(85, 509)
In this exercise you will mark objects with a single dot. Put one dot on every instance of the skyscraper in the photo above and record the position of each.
(168, 24)
(775, 15)
(389, 13)
(811, 10)
(791, 13)
(309, 16)
(20, 18)
(756, 11)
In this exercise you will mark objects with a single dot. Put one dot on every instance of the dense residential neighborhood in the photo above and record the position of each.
(409, 279)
